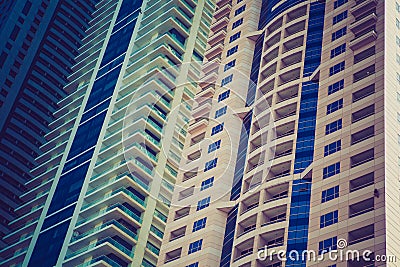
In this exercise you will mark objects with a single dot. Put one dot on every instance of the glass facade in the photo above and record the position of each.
(74, 172)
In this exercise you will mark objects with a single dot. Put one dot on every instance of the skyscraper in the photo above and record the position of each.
(39, 42)
(101, 191)
(316, 156)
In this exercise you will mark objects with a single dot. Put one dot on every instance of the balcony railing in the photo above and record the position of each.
(274, 221)
(122, 189)
(98, 228)
(157, 231)
(98, 259)
(98, 243)
(117, 205)
(361, 212)
(161, 216)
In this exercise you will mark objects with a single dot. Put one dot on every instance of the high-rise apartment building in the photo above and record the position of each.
(315, 158)
(38, 44)
(101, 191)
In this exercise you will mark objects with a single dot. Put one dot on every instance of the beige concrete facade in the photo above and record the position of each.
(367, 197)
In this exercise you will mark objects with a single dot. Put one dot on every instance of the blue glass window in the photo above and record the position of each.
(336, 68)
(118, 44)
(218, 128)
(210, 164)
(234, 37)
(339, 33)
(68, 188)
(339, 3)
(240, 10)
(331, 170)
(333, 127)
(230, 65)
(214, 146)
(329, 219)
(103, 88)
(330, 194)
(220, 112)
(337, 86)
(338, 18)
(226, 80)
(207, 183)
(232, 50)
(224, 95)
(332, 107)
(196, 264)
(327, 245)
(338, 50)
(332, 148)
(237, 23)
(199, 224)
(204, 203)
(195, 246)
(48, 246)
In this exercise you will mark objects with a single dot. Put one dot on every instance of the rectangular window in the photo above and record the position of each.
(230, 65)
(224, 95)
(332, 107)
(237, 23)
(398, 59)
(339, 33)
(398, 7)
(14, 33)
(220, 112)
(398, 23)
(337, 86)
(196, 264)
(332, 148)
(3, 58)
(333, 127)
(339, 3)
(327, 245)
(232, 51)
(226, 80)
(336, 68)
(210, 164)
(204, 203)
(240, 10)
(398, 41)
(338, 18)
(234, 37)
(207, 183)
(199, 224)
(338, 50)
(329, 219)
(214, 146)
(195, 246)
(331, 170)
(218, 128)
(330, 194)
(27, 7)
